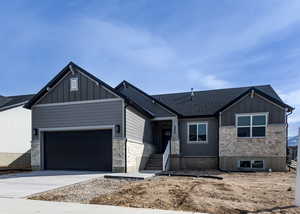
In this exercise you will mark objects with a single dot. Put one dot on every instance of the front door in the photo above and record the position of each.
(166, 137)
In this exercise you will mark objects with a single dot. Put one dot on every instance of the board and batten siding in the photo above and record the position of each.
(87, 90)
(81, 114)
(211, 148)
(138, 127)
(256, 104)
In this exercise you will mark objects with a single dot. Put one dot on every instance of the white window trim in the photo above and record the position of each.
(251, 162)
(188, 132)
(72, 79)
(266, 114)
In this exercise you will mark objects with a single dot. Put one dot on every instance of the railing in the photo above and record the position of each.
(166, 157)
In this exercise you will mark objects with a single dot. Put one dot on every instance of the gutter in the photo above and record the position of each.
(124, 134)
(287, 137)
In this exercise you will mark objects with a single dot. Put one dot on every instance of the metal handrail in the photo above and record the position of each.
(166, 156)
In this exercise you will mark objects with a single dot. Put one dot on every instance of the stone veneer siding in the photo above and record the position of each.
(178, 162)
(118, 149)
(138, 155)
(271, 149)
(118, 156)
(36, 155)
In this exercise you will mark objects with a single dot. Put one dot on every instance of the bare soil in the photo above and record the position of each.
(237, 193)
(82, 192)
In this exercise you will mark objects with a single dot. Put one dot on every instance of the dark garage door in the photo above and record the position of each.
(78, 150)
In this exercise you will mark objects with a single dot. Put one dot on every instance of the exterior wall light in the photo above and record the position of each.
(35, 132)
(118, 128)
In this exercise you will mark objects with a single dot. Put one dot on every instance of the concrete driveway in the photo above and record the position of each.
(17, 206)
(21, 185)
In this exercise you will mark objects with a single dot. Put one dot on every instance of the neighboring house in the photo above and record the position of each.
(15, 134)
(293, 147)
(292, 153)
(81, 123)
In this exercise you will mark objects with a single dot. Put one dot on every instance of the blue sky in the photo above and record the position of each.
(175, 44)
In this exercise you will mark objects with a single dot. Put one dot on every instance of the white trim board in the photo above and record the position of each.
(254, 94)
(50, 89)
(72, 73)
(188, 132)
(163, 118)
(76, 128)
(79, 102)
(238, 101)
(266, 114)
(271, 102)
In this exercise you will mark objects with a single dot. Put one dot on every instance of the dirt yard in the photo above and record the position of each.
(236, 193)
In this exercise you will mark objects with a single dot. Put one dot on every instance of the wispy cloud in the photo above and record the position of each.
(293, 98)
(206, 80)
(243, 43)
(123, 42)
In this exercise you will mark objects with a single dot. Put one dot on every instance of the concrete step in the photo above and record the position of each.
(153, 165)
(153, 168)
(154, 162)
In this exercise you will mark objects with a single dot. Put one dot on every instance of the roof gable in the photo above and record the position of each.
(203, 103)
(209, 103)
(151, 104)
(57, 83)
(72, 66)
(88, 89)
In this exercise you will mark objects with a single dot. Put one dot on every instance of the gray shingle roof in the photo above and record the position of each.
(142, 99)
(12, 101)
(206, 103)
(203, 103)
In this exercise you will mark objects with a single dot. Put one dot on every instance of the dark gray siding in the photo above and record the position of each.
(138, 127)
(88, 90)
(75, 115)
(199, 149)
(253, 105)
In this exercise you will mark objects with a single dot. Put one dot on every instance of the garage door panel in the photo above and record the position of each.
(78, 150)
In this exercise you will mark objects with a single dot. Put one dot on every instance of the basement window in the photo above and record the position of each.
(74, 84)
(251, 164)
(251, 125)
(197, 132)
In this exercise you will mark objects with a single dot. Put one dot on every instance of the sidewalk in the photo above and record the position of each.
(17, 206)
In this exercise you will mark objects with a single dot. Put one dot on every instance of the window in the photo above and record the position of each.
(197, 132)
(252, 125)
(245, 164)
(74, 84)
(251, 164)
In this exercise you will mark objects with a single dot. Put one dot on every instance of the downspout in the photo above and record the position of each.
(220, 124)
(287, 137)
(124, 134)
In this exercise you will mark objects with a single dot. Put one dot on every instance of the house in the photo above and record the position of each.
(79, 122)
(15, 126)
(293, 148)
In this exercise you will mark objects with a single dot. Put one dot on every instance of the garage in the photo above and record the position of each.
(78, 150)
